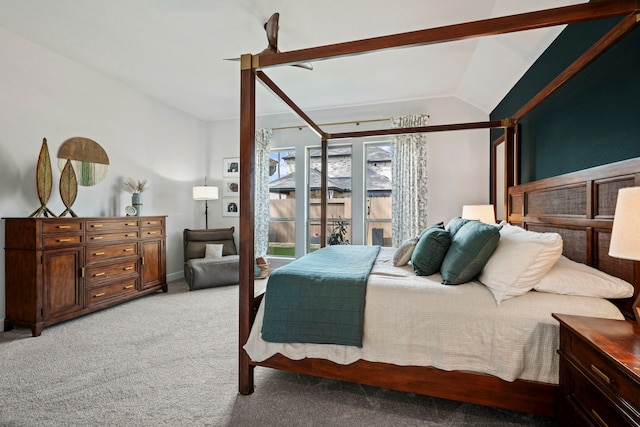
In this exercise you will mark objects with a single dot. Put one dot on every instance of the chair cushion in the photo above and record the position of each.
(195, 241)
(200, 273)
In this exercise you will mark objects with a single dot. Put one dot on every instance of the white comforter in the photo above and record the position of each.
(412, 320)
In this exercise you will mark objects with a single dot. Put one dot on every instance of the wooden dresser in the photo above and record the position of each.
(599, 372)
(61, 268)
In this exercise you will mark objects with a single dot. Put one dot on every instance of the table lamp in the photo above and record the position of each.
(484, 213)
(206, 193)
(625, 235)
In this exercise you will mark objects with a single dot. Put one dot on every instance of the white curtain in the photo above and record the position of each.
(261, 209)
(409, 171)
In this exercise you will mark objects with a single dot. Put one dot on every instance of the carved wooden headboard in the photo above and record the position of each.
(580, 207)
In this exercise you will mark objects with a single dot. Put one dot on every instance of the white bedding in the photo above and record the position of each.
(413, 320)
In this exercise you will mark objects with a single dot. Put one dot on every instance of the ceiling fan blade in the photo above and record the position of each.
(271, 27)
(305, 65)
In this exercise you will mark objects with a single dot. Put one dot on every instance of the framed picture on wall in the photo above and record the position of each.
(231, 166)
(231, 206)
(231, 187)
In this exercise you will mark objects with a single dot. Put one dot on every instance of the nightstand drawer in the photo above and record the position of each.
(99, 253)
(602, 372)
(100, 273)
(594, 404)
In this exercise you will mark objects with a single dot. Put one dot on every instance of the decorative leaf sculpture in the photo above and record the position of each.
(68, 188)
(44, 181)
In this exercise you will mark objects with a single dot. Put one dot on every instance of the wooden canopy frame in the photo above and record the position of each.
(487, 390)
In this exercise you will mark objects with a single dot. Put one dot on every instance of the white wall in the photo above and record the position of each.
(458, 161)
(45, 95)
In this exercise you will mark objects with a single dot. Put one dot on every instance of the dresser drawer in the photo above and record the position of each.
(124, 223)
(96, 253)
(110, 237)
(152, 222)
(61, 240)
(99, 273)
(99, 294)
(57, 226)
(602, 372)
(147, 233)
(593, 404)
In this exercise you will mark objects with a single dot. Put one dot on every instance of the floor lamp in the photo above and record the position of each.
(625, 235)
(206, 193)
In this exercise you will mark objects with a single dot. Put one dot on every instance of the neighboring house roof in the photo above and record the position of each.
(374, 154)
(287, 184)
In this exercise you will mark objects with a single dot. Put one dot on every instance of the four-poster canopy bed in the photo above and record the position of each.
(584, 226)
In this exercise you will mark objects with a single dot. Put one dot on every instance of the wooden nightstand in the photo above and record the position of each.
(599, 372)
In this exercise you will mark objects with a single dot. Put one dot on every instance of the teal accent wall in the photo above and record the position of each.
(594, 119)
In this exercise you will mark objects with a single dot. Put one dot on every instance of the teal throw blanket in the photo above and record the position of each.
(320, 297)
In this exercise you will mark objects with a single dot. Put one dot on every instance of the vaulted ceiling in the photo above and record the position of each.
(174, 50)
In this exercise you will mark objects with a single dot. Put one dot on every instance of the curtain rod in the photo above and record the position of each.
(356, 122)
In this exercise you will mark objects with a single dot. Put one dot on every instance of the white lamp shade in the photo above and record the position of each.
(483, 213)
(205, 192)
(625, 236)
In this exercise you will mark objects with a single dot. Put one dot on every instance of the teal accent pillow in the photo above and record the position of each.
(430, 251)
(456, 224)
(470, 250)
(436, 225)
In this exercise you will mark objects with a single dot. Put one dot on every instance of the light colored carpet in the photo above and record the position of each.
(171, 360)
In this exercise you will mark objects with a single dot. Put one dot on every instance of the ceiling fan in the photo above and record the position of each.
(271, 28)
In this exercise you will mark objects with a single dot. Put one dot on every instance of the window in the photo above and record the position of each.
(378, 194)
(282, 197)
(359, 195)
(338, 193)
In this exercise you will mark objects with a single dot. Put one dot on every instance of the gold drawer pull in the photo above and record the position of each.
(128, 268)
(101, 294)
(127, 249)
(129, 224)
(63, 227)
(601, 374)
(97, 225)
(598, 418)
(151, 222)
(128, 287)
(97, 238)
(98, 253)
(99, 274)
(64, 240)
(152, 232)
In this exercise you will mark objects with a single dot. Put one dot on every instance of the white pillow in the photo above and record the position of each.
(520, 261)
(573, 278)
(402, 255)
(213, 250)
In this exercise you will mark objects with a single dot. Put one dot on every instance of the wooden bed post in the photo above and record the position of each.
(509, 164)
(324, 164)
(246, 231)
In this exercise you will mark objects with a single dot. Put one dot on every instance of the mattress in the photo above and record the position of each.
(416, 321)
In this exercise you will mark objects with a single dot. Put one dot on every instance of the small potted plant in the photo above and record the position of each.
(337, 236)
